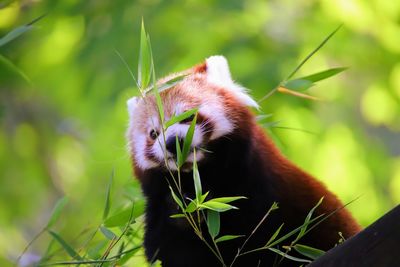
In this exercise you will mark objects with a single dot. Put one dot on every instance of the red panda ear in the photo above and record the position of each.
(132, 104)
(218, 73)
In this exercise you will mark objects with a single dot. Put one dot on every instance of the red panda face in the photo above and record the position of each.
(207, 87)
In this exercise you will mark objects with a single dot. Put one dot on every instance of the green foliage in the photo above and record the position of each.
(63, 92)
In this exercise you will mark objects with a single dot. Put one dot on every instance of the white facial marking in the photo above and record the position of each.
(219, 74)
(132, 104)
(217, 116)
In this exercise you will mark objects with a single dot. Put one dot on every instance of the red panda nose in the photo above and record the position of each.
(171, 144)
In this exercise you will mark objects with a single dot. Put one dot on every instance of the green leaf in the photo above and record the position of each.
(203, 197)
(18, 31)
(322, 75)
(57, 211)
(176, 198)
(180, 117)
(227, 237)
(14, 69)
(213, 223)
(188, 139)
(216, 206)
(262, 117)
(298, 84)
(191, 207)
(179, 215)
(179, 157)
(107, 233)
(127, 255)
(227, 199)
(108, 200)
(283, 254)
(144, 65)
(307, 219)
(310, 252)
(71, 252)
(196, 180)
(121, 217)
(274, 236)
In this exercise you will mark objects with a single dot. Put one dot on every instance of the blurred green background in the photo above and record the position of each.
(63, 91)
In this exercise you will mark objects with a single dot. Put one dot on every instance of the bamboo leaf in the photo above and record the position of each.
(144, 65)
(71, 252)
(227, 237)
(191, 207)
(216, 206)
(57, 211)
(298, 84)
(307, 219)
(196, 180)
(176, 198)
(310, 252)
(120, 218)
(179, 157)
(179, 215)
(15, 33)
(283, 254)
(322, 75)
(213, 223)
(274, 236)
(227, 199)
(180, 117)
(107, 205)
(188, 139)
(107, 233)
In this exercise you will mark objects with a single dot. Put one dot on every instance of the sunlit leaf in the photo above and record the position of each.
(284, 90)
(298, 84)
(68, 248)
(18, 31)
(187, 143)
(107, 205)
(322, 75)
(179, 215)
(283, 254)
(180, 117)
(144, 66)
(192, 206)
(120, 218)
(310, 252)
(213, 223)
(196, 180)
(227, 237)
(176, 198)
(227, 199)
(274, 236)
(217, 206)
(57, 211)
(107, 233)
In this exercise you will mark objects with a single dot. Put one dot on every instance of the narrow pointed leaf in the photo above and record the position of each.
(187, 143)
(71, 252)
(227, 237)
(107, 233)
(310, 252)
(213, 223)
(307, 219)
(179, 215)
(144, 71)
(191, 207)
(298, 84)
(180, 117)
(57, 211)
(283, 254)
(107, 205)
(196, 180)
(203, 197)
(176, 198)
(217, 206)
(18, 32)
(322, 75)
(284, 90)
(179, 157)
(274, 236)
(227, 199)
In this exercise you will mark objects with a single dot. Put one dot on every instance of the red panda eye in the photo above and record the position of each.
(153, 134)
(188, 119)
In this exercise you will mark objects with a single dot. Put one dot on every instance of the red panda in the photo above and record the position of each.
(239, 159)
